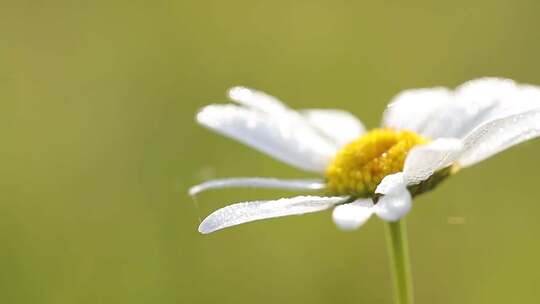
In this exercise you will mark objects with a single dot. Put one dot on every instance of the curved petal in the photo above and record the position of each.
(256, 100)
(339, 126)
(424, 160)
(392, 184)
(258, 182)
(498, 135)
(413, 109)
(439, 112)
(396, 201)
(503, 97)
(353, 215)
(283, 137)
(240, 213)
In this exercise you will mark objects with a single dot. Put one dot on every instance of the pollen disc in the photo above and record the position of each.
(361, 165)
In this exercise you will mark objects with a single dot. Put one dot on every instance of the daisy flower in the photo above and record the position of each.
(426, 136)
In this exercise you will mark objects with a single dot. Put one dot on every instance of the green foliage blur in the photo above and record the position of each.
(99, 146)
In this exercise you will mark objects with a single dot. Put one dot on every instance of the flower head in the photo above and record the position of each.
(426, 136)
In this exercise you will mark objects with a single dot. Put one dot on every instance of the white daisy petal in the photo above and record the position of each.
(396, 201)
(440, 113)
(424, 160)
(281, 136)
(257, 210)
(392, 184)
(413, 109)
(479, 101)
(502, 97)
(258, 182)
(340, 126)
(392, 208)
(498, 135)
(353, 215)
(471, 103)
(257, 100)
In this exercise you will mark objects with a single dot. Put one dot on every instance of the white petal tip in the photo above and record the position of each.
(203, 231)
(392, 208)
(349, 225)
(345, 225)
(351, 216)
(193, 191)
(391, 184)
(238, 92)
(204, 114)
(207, 227)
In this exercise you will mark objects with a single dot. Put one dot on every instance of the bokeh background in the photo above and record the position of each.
(98, 148)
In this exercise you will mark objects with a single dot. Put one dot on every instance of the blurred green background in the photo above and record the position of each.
(98, 148)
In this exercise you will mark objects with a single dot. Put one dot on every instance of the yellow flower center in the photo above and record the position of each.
(362, 164)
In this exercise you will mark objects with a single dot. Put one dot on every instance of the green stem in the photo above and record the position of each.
(396, 236)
